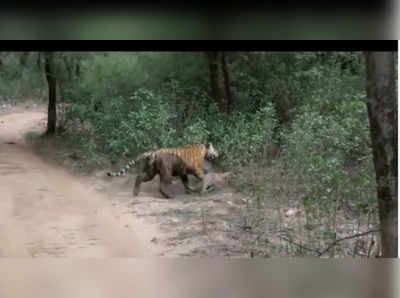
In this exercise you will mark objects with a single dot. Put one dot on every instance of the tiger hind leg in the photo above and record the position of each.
(165, 186)
(144, 177)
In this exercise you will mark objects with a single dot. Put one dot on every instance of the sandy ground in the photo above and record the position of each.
(62, 236)
(45, 211)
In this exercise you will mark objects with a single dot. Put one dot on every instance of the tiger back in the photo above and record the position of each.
(192, 155)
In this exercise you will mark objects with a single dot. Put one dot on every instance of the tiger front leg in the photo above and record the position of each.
(203, 185)
(207, 183)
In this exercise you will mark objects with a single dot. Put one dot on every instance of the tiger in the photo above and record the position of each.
(172, 162)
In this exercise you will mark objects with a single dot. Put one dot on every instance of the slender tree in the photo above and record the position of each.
(220, 81)
(23, 58)
(78, 68)
(52, 84)
(215, 79)
(39, 60)
(227, 82)
(382, 113)
(68, 65)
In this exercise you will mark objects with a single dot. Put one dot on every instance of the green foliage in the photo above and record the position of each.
(326, 147)
(241, 136)
(196, 132)
(21, 82)
(130, 118)
(137, 101)
(147, 127)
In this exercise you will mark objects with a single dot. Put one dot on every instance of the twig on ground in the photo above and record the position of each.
(347, 238)
(319, 252)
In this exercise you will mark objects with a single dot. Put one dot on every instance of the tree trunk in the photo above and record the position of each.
(227, 80)
(68, 66)
(39, 60)
(78, 69)
(382, 113)
(23, 58)
(215, 79)
(52, 83)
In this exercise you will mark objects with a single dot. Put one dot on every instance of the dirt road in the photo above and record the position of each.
(46, 211)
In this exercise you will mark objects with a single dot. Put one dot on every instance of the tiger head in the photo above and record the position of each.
(211, 153)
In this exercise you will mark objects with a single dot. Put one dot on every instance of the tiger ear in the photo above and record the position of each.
(208, 145)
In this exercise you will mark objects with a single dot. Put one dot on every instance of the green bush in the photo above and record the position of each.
(241, 136)
(328, 153)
